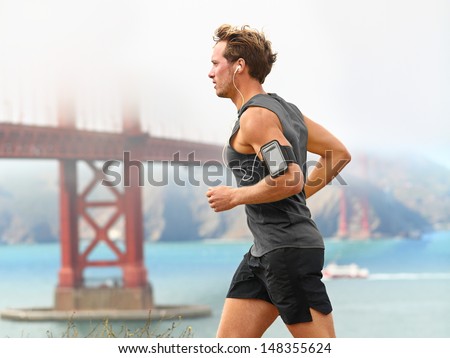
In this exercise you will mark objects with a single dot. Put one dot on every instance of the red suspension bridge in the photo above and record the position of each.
(68, 144)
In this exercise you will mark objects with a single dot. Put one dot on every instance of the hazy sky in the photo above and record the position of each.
(376, 73)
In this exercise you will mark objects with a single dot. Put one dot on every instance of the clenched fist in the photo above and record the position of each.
(221, 198)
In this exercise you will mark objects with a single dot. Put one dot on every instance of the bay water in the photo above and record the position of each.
(407, 293)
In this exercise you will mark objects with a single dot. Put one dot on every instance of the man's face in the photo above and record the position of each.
(221, 72)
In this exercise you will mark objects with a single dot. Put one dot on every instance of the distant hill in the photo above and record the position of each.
(405, 197)
(387, 216)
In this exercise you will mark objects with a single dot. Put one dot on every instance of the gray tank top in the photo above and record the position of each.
(284, 223)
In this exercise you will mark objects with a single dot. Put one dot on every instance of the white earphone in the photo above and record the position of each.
(234, 84)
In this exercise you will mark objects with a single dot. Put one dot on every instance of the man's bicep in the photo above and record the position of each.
(260, 126)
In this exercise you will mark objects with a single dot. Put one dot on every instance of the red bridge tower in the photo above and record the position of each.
(71, 293)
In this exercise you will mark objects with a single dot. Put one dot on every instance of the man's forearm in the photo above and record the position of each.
(271, 189)
(326, 168)
(268, 190)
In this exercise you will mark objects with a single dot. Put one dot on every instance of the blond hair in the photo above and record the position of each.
(250, 45)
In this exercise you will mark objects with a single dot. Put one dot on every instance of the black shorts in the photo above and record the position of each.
(289, 278)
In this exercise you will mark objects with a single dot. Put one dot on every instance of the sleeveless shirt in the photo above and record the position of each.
(287, 222)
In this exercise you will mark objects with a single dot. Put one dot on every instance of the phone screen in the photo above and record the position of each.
(274, 158)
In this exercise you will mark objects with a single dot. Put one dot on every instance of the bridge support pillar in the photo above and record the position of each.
(133, 291)
(70, 273)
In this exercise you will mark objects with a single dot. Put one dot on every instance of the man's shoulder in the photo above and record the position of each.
(256, 116)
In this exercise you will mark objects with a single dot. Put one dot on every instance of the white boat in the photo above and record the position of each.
(333, 270)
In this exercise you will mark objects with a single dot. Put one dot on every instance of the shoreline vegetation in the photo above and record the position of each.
(105, 329)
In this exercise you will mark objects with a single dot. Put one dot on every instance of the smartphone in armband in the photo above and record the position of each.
(274, 158)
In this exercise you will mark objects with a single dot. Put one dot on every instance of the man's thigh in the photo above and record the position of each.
(246, 318)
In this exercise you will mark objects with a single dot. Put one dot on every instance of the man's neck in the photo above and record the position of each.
(247, 93)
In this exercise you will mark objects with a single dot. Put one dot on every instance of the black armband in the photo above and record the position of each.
(289, 155)
(277, 157)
